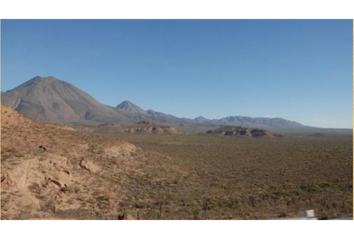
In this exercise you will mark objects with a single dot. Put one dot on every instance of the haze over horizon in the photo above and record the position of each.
(300, 70)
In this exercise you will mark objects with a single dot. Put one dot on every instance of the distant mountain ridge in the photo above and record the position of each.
(52, 100)
(251, 122)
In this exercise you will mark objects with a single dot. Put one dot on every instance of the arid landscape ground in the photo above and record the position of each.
(58, 172)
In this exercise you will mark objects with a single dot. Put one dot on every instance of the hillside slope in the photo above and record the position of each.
(56, 172)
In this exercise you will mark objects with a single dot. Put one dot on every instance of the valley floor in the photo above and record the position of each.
(211, 177)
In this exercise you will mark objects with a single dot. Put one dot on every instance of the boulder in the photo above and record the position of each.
(89, 166)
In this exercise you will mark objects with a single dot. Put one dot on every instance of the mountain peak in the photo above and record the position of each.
(126, 103)
(130, 107)
(38, 80)
(200, 119)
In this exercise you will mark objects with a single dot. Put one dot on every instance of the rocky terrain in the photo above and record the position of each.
(151, 128)
(56, 172)
(242, 131)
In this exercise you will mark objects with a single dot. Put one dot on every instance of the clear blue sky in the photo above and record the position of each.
(300, 70)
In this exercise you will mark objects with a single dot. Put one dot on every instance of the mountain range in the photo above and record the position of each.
(52, 100)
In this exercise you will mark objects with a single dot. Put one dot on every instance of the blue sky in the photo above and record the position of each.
(301, 70)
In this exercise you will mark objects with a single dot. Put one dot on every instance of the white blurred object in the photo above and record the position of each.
(307, 214)
(310, 215)
(304, 215)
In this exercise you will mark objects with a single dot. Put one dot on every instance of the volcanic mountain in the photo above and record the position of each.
(52, 100)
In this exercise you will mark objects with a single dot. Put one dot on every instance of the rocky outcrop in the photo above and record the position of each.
(109, 125)
(241, 131)
(140, 127)
(151, 128)
(6, 181)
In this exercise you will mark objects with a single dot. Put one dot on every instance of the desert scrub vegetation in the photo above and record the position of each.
(212, 177)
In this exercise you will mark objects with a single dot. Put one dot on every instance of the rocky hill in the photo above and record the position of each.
(241, 131)
(141, 127)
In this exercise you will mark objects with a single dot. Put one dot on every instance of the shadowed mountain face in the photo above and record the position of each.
(51, 100)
